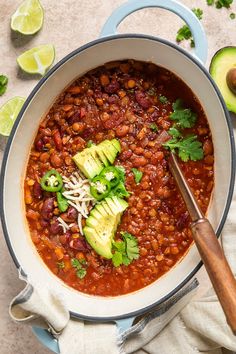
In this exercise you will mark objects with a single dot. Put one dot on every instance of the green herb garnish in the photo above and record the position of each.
(232, 15)
(62, 202)
(125, 251)
(61, 265)
(119, 191)
(78, 265)
(137, 175)
(174, 132)
(153, 127)
(152, 91)
(184, 32)
(188, 148)
(89, 144)
(184, 117)
(210, 2)
(223, 3)
(163, 99)
(3, 84)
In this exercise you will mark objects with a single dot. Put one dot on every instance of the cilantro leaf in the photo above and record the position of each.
(117, 259)
(223, 3)
(153, 127)
(163, 99)
(125, 251)
(198, 12)
(137, 175)
(185, 117)
(90, 143)
(80, 270)
(132, 249)
(3, 84)
(210, 2)
(75, 263)
(119, 191)
(81, 273)
(121, 171)
(61, 265)
(152, 91)
(189, 148)
(174, 132)
(184, 32)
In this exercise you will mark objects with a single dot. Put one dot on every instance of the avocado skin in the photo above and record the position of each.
(102, 223)
(224, 60)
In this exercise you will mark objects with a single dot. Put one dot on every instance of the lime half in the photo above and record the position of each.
(28, 18)
(37, 60)
(8, 114)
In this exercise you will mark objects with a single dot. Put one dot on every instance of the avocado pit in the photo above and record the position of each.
(231, 80)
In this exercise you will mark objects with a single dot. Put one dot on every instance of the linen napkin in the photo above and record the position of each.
(181, 325)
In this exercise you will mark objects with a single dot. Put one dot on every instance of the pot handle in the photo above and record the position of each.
(179, 9)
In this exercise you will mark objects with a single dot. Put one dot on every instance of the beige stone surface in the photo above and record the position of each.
(68, 24)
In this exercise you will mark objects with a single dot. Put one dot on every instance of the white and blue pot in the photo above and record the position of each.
(108, 48)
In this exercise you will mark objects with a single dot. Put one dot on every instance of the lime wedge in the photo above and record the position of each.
(28, 18)
(8, 114)
(37, 60)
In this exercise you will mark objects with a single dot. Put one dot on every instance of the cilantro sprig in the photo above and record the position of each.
(184, 117)
(188, 148)
(184, 32)
(138, 175)
(220, 3)
(125, 251)
(78, 265)
(3, 84)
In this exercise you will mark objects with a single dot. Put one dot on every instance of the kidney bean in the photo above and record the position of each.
(79, 244)
(125, 155)
(87, 133)
(57, 140)
(182, 221)
(113, 99)
(74, 118)
(55, 227)
(112, 87)
(39, 145)
(37, 191)
(70, 215)
(142, 99)
(47, 208)
(65, 237)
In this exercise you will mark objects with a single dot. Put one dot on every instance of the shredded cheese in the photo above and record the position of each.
(63, 224)
(77, 192)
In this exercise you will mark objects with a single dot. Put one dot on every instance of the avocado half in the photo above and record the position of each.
(221, 63)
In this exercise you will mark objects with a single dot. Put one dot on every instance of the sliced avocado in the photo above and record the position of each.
(116, 204)
(95, 213)
(91, 221)
(120, 203)
(223, 61)
(102, 156)
(109, 150)
(116, 144)
(100, 239)
(92, 160)
(86, 163)
(100, 235)
(101, 209)
(102, 223)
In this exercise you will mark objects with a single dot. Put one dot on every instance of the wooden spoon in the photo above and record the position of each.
(209, 248)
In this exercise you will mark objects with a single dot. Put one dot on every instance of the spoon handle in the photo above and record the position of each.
(217, 268)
